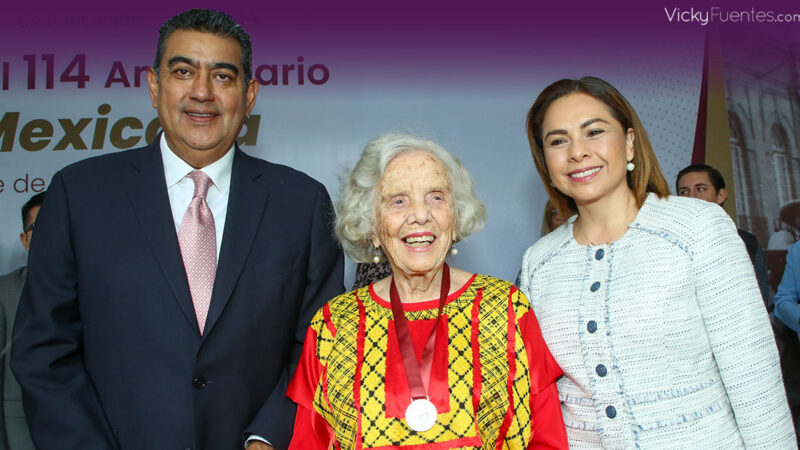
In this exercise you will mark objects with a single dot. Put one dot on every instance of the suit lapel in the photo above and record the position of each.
(146, 188)
(246, 202)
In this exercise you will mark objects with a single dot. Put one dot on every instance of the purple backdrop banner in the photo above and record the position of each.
(335, 74)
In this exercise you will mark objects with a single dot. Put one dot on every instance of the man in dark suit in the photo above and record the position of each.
(169, 287)
(14, 433)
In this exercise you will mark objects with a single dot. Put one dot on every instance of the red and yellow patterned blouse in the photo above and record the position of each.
(351, 389)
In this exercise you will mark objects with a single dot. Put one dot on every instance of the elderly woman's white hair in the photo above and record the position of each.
(356, 215)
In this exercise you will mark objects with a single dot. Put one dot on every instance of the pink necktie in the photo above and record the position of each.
(198, 240)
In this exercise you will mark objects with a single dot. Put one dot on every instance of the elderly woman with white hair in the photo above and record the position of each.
(431, 356)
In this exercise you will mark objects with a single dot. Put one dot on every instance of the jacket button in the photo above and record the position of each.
(591, 326)
(199, 382)
(598, 255)
(611, 412)
(595, 286)
(601, 370)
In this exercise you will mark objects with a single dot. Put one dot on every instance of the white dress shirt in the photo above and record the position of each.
(181, 189)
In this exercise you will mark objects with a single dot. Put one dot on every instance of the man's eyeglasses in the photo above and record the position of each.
(29, 227)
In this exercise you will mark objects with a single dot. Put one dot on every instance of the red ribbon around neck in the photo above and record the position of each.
(417, 373)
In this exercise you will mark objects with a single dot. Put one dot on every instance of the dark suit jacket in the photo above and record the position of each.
(14, 433)
(759, 265)
(108, 353)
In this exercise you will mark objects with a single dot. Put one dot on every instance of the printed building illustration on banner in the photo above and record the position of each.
(762, 86)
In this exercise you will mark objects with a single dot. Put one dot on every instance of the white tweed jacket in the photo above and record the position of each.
(662, 335)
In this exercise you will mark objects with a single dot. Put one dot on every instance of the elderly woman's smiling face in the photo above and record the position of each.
(415, 214)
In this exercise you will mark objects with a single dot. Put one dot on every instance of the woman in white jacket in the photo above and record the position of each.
(648, 302)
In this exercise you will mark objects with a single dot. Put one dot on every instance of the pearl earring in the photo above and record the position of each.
(630, 166)
(453, 250)
(376, 255)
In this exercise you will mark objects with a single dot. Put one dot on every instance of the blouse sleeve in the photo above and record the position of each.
(549, 431)
(311, 431)
(739, 332)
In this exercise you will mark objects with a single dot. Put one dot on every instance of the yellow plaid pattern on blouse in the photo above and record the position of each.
(357, 317)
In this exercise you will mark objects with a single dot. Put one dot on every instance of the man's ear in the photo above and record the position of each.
(250, 94)
(152, 85)
(26, 243)
(722, 195)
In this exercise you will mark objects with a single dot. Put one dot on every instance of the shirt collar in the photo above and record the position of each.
(175, 169)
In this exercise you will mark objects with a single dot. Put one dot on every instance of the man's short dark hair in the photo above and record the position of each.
(33, 202)
(713, 174)
(207, 21)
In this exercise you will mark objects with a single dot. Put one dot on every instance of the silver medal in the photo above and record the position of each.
(421, 415)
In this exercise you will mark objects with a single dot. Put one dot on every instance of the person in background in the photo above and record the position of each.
(788, 226)
(14, 429)
(647, 302)
(706, 183)
(787, 311)
(551, 219)
(431, 356)
(169, 287)
(370, 272)
(788, 295)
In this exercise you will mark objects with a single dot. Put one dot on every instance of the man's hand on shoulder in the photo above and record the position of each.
(259, 445)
